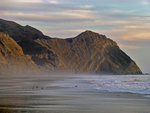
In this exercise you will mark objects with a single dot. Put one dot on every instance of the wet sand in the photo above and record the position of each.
(48, 94)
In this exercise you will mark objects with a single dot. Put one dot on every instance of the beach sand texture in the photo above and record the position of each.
(65, 94)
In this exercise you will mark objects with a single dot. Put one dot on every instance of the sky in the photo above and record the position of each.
(125, 21)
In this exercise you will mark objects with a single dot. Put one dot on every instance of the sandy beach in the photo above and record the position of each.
(65, 94)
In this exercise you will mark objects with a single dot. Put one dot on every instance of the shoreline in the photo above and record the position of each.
(50, 98)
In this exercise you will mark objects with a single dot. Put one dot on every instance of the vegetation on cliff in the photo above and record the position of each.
(89, 52)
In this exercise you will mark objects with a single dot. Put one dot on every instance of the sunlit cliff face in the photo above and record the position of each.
(12, 58)
(89, 52)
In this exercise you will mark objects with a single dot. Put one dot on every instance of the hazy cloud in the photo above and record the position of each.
(129, 46)
(145, 2)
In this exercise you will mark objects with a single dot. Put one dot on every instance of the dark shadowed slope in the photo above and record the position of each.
(18, 32)
(12, 58)
(88, 52)
(25, 36)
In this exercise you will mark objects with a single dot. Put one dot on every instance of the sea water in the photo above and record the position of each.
(123, 83)
(73, 93)
(139, 84)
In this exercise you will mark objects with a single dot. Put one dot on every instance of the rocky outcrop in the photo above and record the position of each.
(25, 36)
(12, 58)
(19, 33)
(88, 52)
(91, 52)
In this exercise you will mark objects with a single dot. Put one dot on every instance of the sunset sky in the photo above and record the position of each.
(125, 21)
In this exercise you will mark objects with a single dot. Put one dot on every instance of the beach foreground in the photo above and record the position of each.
(72, 94)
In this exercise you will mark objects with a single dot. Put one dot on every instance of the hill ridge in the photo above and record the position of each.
(88, 52)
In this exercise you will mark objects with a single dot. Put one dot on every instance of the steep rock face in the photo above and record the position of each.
(40, 54)
(91, 53)
(88, 52)
(12, 58)
(18, 32)
(25, 36)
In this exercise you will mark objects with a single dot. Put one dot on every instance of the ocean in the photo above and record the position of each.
(75, 93)
(112, 83)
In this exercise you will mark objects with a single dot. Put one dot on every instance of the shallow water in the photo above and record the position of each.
(113, 83)
(75, 94)
(127, 83)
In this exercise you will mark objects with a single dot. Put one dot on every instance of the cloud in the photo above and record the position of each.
(48, 11)
(125, 46)
(43, 7)
(24, 1)
(116, 22)
(133, 32)
(86, 6)
(51, 1)
(145, 2)
(51, 17)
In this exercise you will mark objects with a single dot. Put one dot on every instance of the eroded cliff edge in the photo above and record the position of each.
(89, 52)
(12, 58)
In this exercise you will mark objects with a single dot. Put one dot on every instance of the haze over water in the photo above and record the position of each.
(75, 93)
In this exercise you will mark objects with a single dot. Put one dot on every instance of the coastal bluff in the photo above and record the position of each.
(89, 52)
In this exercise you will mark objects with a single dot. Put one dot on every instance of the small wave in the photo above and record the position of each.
(133, 84)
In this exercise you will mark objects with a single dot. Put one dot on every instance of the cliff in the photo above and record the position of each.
(89, 52)
(12, 58)
(26, 37)
(18, 32)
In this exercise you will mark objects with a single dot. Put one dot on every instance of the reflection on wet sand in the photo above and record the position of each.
(62, 94)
